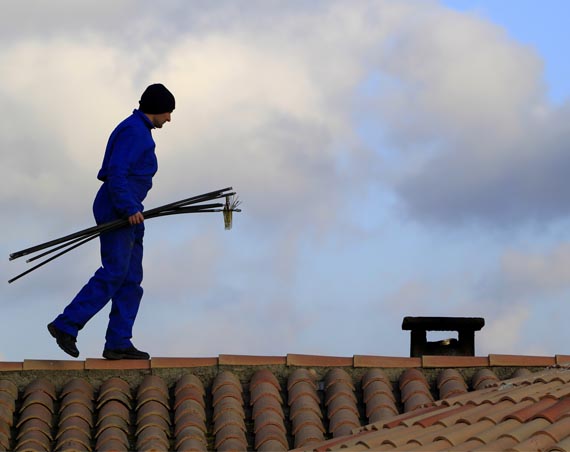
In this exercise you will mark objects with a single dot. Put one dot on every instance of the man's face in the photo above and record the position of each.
(159, 119)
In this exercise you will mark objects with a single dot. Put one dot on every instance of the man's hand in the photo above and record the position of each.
(136, 218)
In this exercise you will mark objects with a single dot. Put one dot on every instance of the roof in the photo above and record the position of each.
(278, 403)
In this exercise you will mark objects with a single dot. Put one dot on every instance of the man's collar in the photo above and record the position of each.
(144, 118)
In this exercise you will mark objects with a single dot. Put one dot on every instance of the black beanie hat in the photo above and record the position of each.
(156, 99)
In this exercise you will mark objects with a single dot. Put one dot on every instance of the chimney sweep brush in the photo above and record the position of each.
(188, 205)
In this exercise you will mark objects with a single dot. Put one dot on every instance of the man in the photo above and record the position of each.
(127, 170)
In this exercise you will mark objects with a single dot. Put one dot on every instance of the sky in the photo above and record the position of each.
(393, 158)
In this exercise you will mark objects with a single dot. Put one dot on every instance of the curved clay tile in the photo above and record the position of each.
(73, 423)
(114, 395)
(192, 445)
(452, 388)
(265, 404)
(300, 375)
(450, 374)
(417, 400)
(113, 408)
(8, 401)
(343, 422)
(231, 433)
(40, 385)
(112, 445)
(338, 375)
(342, 402)
(411, 375)
(36, 411)
(374, 375)
(6, 416)
(29, 438)
(226, 391)
(377, 387)
(303, 404)
(269, 418)
(232, 445)
(190, 407)
(37, 397)
(71, 446)
(77, 398)
(36, 425)
(189, 393)
(229, 418)
(272, 446)
(4, 440)
(302, 389)
(152, 395)
(152, 420)
(414, 387)
(270, 433)
(265, 389)
(308, 435)
(112, 434)
(75, 436)
(154, 435)
(79, 385)
(226, 378)
(380, 401)
(152, 408)
(228, 404)
(114, 384)
(113, 421)
(381, 414)
(152, 382)
(306, 419)
(263, 376)
(189, 433)
(9, 387)
(339, 389)
(484, 378)
(189, 380)
(76, 410)
(189, 420)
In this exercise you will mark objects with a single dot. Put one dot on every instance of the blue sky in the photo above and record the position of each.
(393, 158)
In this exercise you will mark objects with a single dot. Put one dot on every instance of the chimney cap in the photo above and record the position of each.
(443, 323)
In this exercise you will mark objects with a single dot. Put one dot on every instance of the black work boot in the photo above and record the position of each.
(65, 341)
(125, 353)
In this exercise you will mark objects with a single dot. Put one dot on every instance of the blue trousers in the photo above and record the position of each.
(118, 279)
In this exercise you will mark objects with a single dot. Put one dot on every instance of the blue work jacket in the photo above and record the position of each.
(129, 164)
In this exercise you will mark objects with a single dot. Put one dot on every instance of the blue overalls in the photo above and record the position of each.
(128, 167)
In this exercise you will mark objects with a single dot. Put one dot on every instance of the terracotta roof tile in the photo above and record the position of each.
(245, 360)
(33, 439)
(386, 362)
(264, 404)
(226, 379)
(517, 360)
(9, 387)
(173, 363)
(35, 411)
(192, 444)
(278, 406)
(270, 433)
(300, 375)
(40, 385)
(484, 378)
(265, 389)
(318, 361)
(78, 437)
(76, 410)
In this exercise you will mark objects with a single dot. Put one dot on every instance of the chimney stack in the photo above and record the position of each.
(464, 345)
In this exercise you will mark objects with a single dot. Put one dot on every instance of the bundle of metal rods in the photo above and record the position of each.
(195, 204)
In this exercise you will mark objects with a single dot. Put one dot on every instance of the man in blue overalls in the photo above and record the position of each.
(128, 167)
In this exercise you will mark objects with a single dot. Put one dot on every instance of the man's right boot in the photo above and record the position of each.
(65, 341)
